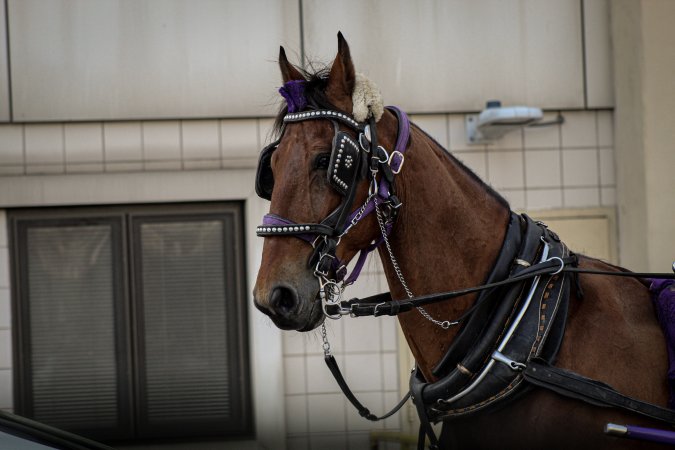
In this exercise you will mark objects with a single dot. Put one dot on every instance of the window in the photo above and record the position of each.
(131, 321)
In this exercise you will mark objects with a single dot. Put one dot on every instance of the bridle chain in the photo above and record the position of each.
(445, 324)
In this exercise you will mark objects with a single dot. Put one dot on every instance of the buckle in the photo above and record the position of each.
(395, 161)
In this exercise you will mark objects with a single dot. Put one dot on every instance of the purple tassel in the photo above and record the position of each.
(294, 93)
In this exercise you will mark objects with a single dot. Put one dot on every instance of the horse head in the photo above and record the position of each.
(312, 175)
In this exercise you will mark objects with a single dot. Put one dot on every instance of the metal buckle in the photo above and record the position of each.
(391, 157)
(375, 310)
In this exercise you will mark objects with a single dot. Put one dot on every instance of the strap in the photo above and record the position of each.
(573, 385)
(363, 411)
(426, 431)
(381, 304)
(324, 114)
(361, 308)
(664, 276)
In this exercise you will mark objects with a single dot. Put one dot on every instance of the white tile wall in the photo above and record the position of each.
(44, 145)
(83, 144)
(542, 137)
(525, 166)
(161, 145)
(542, 169)
(436, 125)
(508, 169)
(122, 146)
(296, 414)
(12, 153)
(580, 167)
(201, 144)
(579, 129)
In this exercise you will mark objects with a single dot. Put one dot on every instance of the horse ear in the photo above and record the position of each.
(342, 77)
(288, 71)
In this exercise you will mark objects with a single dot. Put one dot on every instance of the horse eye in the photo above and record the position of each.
(321, 162)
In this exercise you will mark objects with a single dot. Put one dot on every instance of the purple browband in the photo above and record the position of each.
(382, 196)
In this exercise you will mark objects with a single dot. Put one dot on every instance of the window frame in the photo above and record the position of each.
(127, 294)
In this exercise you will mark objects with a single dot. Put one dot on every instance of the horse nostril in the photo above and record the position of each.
(283, 300)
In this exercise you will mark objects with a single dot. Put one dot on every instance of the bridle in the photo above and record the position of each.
(351, 162)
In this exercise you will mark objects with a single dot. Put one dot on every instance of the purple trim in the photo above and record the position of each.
(651, 434)
(404, 130)
(294, 93)
(663, 297)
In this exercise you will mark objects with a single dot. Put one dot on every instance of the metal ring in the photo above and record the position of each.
(562, 264)
(386, 155)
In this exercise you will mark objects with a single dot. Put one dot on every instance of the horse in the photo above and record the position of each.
(447, 229)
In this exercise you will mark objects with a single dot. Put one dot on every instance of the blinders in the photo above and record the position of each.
(264, 178)
(346, 167)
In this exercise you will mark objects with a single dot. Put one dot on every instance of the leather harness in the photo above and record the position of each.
(511, 335)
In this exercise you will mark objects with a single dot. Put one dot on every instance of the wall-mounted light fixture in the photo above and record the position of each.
(497, 120)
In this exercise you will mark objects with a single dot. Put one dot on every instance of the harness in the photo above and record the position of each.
(511, 335)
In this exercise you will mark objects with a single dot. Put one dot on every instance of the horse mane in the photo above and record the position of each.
(317, 80)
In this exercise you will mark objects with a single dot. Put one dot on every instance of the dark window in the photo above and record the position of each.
(131, 321)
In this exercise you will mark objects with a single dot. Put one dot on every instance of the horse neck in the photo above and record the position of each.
(447, 236)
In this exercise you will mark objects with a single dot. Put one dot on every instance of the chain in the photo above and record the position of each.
(357, 216)
(324, 336)
(445, 324)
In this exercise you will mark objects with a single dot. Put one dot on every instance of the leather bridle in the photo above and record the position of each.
(352, 161)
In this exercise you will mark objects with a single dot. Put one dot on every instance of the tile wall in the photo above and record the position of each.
(94, 147)
(560, 166)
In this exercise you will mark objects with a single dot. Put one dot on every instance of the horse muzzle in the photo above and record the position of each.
(290, 308)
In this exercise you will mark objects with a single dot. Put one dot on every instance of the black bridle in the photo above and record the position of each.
(355, 157)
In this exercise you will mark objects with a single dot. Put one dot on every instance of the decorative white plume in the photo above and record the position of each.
(366, 98)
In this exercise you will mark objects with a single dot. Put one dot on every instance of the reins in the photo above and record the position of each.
(383, 304)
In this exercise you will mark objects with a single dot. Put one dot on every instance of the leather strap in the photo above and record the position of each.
(569, 384)
(363, 411)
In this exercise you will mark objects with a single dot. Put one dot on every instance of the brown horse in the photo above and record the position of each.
(447, 235)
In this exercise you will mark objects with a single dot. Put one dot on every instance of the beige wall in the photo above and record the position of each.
(644, 62)
(77, 60)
